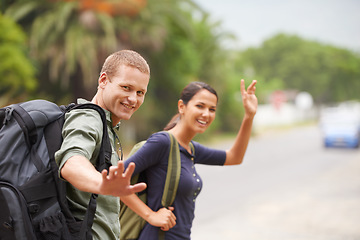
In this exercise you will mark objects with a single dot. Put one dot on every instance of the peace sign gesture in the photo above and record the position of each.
(249, 98)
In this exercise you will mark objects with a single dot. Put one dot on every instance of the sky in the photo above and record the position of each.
(334, 22)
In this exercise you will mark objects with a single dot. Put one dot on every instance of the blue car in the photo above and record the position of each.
(341, 132)
(341, 137)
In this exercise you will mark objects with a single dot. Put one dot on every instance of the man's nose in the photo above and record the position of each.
(132, 97)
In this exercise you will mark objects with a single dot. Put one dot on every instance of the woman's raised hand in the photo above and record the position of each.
(249, 98)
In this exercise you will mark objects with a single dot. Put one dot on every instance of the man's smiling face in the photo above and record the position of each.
(124, 93)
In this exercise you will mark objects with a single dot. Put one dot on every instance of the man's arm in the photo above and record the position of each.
(80, 173)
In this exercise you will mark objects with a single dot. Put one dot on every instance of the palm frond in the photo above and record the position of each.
(19, 10)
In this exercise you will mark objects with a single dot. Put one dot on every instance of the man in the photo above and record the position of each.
(121, 90)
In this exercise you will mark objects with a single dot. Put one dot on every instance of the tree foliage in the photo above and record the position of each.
(329, 73)
(185, 49)
(69, 41)
(16, 70)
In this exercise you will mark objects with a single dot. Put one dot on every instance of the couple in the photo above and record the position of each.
(122, 86)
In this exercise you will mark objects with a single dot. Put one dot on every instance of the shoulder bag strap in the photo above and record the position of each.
(172, 177)
(173, 173)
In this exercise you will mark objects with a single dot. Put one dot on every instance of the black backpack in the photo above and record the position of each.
(33, 202)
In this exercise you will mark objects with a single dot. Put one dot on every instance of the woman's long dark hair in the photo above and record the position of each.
(186, 95)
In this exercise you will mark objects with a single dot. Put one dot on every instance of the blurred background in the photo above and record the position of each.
(304, 54)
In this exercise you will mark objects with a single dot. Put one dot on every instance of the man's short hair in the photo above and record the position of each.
(124, 57)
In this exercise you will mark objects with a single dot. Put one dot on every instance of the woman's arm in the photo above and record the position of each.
(163, 218)
(236, 153)
(150, 154)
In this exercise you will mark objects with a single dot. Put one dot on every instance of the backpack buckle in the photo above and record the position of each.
(8, 114)
(33, 208)
(8, 225)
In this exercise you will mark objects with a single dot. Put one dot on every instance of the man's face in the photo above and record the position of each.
(124, 93)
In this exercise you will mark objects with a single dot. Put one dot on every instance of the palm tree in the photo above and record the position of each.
(70, 39)
(69, 42)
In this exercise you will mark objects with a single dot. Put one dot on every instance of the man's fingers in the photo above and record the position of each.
(138, 187)
(104, 173)
(129, 170)
(112, 172)
(120, 166)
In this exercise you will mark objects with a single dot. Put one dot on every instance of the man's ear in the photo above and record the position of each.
(103, 80)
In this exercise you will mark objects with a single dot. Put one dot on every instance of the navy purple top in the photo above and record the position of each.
(152, 159)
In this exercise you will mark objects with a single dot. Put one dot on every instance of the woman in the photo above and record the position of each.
(197, 108)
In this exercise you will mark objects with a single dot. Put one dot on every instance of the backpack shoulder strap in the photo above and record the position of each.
(173, 173)
(28, 127)
(135, 178)
(26, 123)
(103, 162)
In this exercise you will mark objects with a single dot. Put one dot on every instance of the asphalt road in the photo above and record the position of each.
(288, 188)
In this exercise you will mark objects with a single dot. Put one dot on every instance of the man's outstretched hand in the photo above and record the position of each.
(117, 182)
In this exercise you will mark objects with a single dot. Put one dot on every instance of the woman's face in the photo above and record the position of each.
(200, 111)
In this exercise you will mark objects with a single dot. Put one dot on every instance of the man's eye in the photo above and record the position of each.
(125, 87)
(212, 110)
(140, 93)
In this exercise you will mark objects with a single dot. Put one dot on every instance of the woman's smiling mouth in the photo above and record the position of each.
(202, 122)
